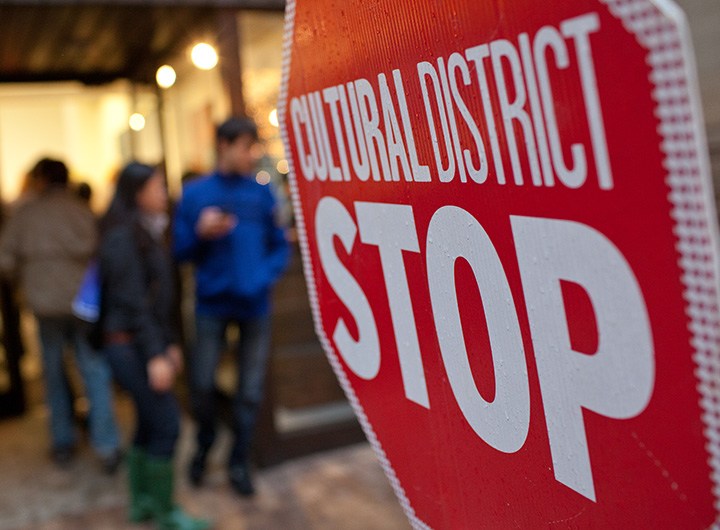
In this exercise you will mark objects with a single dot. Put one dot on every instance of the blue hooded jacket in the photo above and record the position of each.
(233, 274)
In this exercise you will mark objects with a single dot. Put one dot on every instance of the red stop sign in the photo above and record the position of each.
(508, 237)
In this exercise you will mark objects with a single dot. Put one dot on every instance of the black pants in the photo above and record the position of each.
(157, 413)
(251, 359)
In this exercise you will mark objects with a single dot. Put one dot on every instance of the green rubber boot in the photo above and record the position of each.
(168, 516)
(140, 508)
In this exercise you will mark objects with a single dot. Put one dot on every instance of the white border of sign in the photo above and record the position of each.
(661, 28)
(312, 289)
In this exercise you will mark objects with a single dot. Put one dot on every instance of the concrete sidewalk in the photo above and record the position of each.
(339, 489)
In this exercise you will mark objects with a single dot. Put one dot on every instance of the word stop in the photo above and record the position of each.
(615, 382)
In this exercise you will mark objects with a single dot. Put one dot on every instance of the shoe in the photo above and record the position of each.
(240, 481)
(177, 519)
(110, 463)
(158, 477)
(140, 506)
(62, 456)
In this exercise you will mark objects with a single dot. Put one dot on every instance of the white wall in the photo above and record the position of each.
(29, 130)
(262, 40)
(83, 126)
(193, 106)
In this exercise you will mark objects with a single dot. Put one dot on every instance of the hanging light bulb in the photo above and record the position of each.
(204, 56)
(165, 76)
(137, 122)
(273, 118)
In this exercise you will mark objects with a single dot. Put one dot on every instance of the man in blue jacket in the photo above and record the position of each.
(225, 225)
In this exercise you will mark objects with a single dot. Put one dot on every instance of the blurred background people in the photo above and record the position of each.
(226, 226)
(84, 192)
(138, 319)
(46, 244)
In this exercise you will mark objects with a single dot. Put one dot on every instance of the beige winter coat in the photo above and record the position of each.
(46, 245)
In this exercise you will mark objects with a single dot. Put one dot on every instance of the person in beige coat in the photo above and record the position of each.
(45, 246)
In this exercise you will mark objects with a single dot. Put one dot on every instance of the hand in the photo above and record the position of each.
(174, 353)
(161, 373)
(213, 223)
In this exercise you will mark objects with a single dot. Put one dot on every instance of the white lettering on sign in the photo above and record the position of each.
(478, 174)
(372, 123)
(504, 422)
(362, 355)
(392, 228)
(615, 382)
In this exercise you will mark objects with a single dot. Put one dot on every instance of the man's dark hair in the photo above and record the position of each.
(235, 127)
(51, 171)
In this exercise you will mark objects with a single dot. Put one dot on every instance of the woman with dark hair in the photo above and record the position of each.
(140, 340)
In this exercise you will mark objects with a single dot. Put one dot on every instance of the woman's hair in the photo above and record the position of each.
(123, 207)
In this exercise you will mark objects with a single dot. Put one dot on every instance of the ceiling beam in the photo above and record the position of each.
(237, 4)
(90, 78)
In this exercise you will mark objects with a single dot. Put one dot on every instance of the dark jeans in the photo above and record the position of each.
(251, 356)
(157, 413)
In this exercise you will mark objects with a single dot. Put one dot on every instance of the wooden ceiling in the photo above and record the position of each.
(96, 42)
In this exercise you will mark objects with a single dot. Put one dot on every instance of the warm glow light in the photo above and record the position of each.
(273, 118)
(165, 76)
(283, 166)
(262, 177)
(137, 122)
(204, 56)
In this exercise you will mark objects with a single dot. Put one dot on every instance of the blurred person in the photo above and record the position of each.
(84, 192)
(29, 189)
(141, 339)
(47, 244)
(225, 225)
